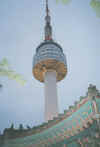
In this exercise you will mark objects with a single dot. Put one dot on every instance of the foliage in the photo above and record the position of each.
(64, 1)
(95, 4)
(5, 70)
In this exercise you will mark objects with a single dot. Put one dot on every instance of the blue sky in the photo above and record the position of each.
(75, 27)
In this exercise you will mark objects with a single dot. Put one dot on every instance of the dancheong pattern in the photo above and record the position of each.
(78, 126)
(73, 127)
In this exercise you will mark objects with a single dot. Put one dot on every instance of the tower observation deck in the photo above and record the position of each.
(49, 67)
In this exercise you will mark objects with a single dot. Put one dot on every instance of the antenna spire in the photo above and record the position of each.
(48, 28)
(47, 9)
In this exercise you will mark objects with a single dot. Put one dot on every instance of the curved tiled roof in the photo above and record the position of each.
(81, 123)
(71, 127)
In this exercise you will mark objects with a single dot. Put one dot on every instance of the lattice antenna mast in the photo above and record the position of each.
(48, 28)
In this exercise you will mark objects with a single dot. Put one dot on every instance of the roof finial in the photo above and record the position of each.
(48, 28)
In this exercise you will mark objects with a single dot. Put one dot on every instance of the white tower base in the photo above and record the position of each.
(51, 103)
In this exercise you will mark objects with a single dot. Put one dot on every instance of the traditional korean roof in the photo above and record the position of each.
(70, 128)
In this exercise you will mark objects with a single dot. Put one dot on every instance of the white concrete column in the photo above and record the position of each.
(51, 101)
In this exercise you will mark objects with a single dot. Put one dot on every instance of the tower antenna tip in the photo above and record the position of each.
(47, 9)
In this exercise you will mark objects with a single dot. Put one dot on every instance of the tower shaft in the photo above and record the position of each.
(51, 102)
(49, 67)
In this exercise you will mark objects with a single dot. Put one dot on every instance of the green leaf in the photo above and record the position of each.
(64, 1)
(5, 70)
(4, 64)
(95, 4)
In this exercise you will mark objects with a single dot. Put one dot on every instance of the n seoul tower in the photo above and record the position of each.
(49, 67)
